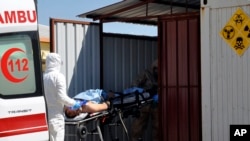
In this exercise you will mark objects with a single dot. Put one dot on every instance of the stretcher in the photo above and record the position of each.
(88, 125)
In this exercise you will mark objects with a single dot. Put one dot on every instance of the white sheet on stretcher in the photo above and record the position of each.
(80, 116)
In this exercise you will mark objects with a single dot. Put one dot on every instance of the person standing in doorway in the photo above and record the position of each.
(148, 80)
(56, 96)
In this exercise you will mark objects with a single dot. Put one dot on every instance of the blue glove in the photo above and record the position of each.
(155, 98)
(76, 106)
(83, 102)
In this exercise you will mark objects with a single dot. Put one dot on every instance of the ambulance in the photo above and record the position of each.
(23, 114)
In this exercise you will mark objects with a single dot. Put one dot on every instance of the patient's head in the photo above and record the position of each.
(71, 113)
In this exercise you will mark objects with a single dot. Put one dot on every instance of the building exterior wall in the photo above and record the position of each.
(44, 35)
(45, 49)
(225, 74)
(179, 84)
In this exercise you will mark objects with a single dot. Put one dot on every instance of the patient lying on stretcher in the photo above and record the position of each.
(87, 107)
(92, 101)
(97, 100)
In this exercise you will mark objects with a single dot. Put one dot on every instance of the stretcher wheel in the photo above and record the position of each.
(82, 131)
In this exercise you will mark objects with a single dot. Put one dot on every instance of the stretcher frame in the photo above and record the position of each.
(82, 130)
(118, 109)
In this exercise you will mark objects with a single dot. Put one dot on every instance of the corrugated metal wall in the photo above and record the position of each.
(226, 76)
(124, 57)
(78, 43)
(180, 87)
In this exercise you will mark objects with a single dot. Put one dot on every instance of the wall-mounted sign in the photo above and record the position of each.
(236, 32)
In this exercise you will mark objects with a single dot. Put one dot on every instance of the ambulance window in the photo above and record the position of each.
(17, 74)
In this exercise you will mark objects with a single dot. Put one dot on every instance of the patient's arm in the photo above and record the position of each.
(90, 107)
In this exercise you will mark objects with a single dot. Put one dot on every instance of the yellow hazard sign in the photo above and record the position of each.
(236, 32)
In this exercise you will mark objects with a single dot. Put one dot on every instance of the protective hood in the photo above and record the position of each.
(53, 62)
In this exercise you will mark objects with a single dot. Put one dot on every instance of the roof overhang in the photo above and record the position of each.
(142, 11)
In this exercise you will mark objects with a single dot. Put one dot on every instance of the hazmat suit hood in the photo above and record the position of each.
(53, 62)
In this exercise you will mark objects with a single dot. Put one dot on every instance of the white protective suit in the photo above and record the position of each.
(56, 96)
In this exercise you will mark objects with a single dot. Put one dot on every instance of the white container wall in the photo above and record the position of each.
(225, 74)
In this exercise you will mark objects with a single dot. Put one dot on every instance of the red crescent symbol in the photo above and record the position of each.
(4, 66)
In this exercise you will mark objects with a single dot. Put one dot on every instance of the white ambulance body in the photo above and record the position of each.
(23, 109)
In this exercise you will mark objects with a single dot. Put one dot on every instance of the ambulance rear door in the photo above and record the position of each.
(23, 108)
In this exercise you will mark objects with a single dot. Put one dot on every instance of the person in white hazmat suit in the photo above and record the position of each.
(56, 96)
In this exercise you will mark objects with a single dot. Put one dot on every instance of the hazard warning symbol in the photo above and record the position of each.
(236, 32)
